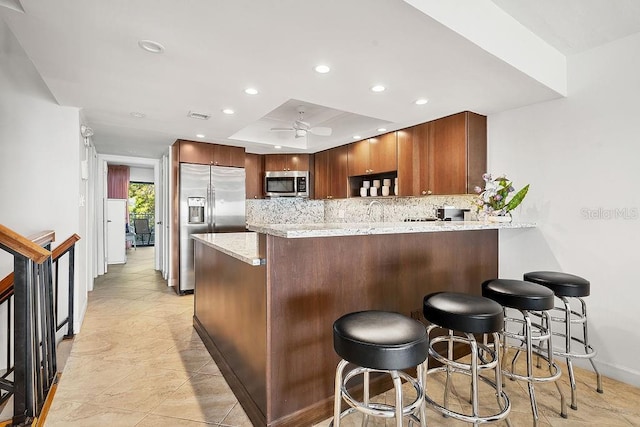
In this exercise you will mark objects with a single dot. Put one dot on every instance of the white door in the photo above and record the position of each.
(116, 232)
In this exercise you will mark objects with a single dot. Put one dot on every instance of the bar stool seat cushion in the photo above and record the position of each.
(380, 340)
(519, 294)
(562, 284)
(463, 312)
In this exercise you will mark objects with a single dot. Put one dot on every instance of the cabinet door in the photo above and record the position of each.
(322, 177)
(195, 152)
(331, 176)
(383, 156)
(297, 162)
(338, 176)
(226, 155)
(358, 155)
(476, 150)
(421, 136)
(414, 171)
(274, 162)
(449, 161)
(254, 169)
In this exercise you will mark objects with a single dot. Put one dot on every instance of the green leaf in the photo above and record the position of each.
(517, 199)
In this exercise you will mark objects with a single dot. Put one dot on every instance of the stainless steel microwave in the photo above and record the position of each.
(286, 184)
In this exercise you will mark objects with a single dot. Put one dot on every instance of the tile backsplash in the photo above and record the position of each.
(289, 210)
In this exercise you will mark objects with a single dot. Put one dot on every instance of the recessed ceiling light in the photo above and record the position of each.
(356, 137)
(382, 129)
(378, 88)
(200, 135)
(251, 91)
(228, 111)
(322, 69)
(421, 101)
(151, 46)
(137, 115)
(277, 147)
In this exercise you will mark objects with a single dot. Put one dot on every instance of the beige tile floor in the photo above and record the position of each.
(138, 362)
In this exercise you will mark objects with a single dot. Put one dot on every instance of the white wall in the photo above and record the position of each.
(137, 174)
(580, 155)
(40, 148)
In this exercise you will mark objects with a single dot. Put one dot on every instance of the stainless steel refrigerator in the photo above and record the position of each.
(212, 200)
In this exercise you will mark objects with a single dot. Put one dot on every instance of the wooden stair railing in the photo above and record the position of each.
(34, 323)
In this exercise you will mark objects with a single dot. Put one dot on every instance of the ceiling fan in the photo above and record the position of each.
(301, 127)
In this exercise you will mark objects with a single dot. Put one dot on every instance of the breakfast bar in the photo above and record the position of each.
(265, 301)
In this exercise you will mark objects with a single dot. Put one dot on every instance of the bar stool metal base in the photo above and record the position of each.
(570, 317)
(531, 333)
(399, 411)
(483, 357)
(566, 286)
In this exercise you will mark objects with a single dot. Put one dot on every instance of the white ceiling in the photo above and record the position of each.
(87, 54)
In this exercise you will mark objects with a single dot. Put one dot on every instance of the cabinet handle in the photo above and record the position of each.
(426, 192)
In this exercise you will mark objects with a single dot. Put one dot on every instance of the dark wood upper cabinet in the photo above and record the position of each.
(373, 155)
(204, 153)
(459, 153)
(287, 162)
(254, 169)
(444, 156)
(331, 175)
(413, 161)
(194, 152)
(226, 155)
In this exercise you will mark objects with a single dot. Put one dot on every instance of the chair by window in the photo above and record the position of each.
(141, 226)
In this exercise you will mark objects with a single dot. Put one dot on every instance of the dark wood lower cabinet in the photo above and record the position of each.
(269, 328)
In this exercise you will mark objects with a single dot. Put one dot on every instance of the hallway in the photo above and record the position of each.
(138, 361)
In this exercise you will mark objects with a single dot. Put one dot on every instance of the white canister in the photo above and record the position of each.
(366, 184)
(376, 183)
(363, 191)
(395, 190)
(385, 190)
(395, 181)
(374, 191)
(387, 182)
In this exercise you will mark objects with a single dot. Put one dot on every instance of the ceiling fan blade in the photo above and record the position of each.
(282, 129)
(321, 131)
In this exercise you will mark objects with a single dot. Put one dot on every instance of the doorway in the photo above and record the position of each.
(141, 170)
(142, 207)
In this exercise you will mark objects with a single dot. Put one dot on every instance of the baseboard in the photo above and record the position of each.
(624, 375)
(77, 321)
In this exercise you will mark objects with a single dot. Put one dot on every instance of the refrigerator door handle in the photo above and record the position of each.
(209, 213)
(213, 208)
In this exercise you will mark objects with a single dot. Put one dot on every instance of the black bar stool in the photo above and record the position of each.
(379, 341)
(527, 298)
(566, 286)
(468, 315)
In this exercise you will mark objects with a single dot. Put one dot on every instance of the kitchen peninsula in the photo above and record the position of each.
(265, 302)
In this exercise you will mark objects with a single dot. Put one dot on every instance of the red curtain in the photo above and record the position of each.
(118, 182)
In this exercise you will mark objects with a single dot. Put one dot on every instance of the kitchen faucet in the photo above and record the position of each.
(369, 209)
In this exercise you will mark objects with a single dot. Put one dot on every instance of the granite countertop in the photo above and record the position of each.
(365, 228)
(243, 246)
